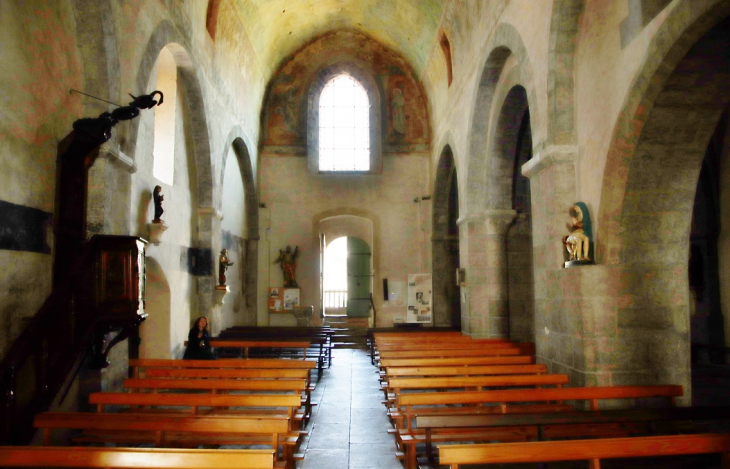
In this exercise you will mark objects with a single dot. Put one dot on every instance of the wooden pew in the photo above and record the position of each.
(195, 373)
(586, 424)
(469, 370)
(215, 385)
(396, 386)
(446, 345)
(253, 404)
(139, 365)
(246, 346)
(591, 450)
(386, 363)
(175, 430)
(476, 352)
(319, 336)
(157, 458)
(408, 406)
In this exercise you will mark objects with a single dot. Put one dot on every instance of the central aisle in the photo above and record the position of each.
(349, 427)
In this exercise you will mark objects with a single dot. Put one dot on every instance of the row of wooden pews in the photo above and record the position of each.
(314, 342)
(185, 404)
(440, 391)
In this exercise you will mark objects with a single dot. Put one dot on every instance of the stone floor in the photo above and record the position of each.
(349, 425)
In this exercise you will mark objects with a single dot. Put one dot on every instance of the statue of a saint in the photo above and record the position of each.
(288, 260)
(223, 264)
(577, 243)
(157, 198)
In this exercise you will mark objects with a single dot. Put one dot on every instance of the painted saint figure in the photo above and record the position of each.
(288, 260)
(397, 105)
(223, 264)
(157, 197)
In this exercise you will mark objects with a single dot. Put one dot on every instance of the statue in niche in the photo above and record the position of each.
(223, 264)
(157, 198)
(578, 242)
(288, 261)
(397, 107)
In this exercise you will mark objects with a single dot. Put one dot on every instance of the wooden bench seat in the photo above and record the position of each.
(196, 373)
(157, 458)
(259, 404)
(216, 385)
(140, 365)
(526, 427)
(408, 406)
(174, 430)
(592, 450)
(386, 363)
(484, 370)
(469, 352)
(396, 386)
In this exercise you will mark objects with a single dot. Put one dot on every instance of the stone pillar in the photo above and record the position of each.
(209, 222)
(484, 255)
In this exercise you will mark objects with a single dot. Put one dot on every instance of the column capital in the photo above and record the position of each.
(548, 156)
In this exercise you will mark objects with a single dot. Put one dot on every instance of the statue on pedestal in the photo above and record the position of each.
(223, 264)
(578, 242)
(288, 260)
(157, 198)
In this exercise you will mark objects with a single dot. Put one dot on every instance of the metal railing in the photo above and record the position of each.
(335, 298)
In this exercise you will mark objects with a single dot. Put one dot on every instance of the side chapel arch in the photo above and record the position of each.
(652, 168)
(166, 35)
(236, 143)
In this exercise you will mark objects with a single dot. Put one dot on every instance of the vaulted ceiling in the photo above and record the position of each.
(277, 28)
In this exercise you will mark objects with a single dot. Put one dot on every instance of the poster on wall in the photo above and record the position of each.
(283, 299)
(420, 308)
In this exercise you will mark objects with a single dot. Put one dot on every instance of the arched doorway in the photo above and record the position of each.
(445, 243)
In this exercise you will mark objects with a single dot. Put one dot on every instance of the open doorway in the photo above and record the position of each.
(347, 281)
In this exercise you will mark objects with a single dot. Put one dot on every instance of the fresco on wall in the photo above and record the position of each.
(403, 103)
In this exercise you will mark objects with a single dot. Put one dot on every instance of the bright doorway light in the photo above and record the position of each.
(335, 274)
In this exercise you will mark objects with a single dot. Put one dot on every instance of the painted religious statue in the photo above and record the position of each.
(578, 242)
(288, 261)
(223, 264)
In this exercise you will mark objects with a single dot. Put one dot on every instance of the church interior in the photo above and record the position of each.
(546, 173)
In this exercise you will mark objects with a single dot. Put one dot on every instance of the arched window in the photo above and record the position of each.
(343, 122)
(344, 126)
(163, 153)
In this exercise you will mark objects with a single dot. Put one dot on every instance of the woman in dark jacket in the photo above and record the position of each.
(199, 342)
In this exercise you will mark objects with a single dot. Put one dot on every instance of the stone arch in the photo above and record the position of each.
(445, 242)
(166, 35)
(506, 42)
(366, 79)
(206, 218)
(561, 60)
(645, 100)
(235, 143)
(652, 168)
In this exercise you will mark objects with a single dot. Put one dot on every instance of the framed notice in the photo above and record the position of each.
(420, 306)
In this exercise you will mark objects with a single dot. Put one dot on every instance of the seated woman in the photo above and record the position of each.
(199, 342)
